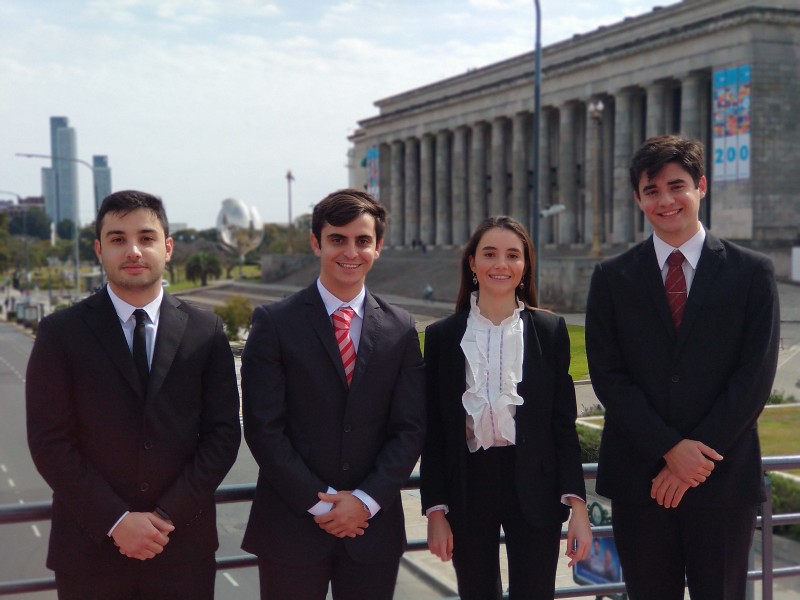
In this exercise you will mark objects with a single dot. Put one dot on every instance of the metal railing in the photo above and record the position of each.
(226, 494)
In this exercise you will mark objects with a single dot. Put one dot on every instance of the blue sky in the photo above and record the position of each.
(201, 100)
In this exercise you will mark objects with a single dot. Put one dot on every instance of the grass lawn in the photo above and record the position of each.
(777, 431)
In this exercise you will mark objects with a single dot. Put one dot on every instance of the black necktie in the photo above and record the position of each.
(140, 347)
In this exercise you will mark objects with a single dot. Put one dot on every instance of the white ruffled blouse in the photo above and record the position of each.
(494, 356)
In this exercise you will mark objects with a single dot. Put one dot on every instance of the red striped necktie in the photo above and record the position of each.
(675, 286)
(341, 327)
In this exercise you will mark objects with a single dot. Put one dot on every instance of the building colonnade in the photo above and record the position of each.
(438, 185)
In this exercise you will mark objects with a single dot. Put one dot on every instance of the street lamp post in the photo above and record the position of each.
(537, 121)
(289, 180)
(77, 216)
(596, 113)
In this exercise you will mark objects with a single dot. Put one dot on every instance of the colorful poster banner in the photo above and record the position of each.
(731, 118)
(373, 171)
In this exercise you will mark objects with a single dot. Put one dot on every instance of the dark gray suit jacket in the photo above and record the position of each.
(105, 446)
(307, 430)
(548, 462)
(708, 381)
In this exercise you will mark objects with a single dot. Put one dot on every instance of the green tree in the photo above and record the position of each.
(5, 258)
(202, 266)
(35, 223)
(64, 229)
(235, 314)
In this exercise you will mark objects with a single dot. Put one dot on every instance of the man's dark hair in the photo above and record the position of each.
(342, 206)
(658, 151)
(126, 202)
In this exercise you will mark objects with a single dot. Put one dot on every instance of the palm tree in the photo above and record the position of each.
(202, 266)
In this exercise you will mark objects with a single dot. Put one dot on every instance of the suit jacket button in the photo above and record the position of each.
(675, 379)
(345, 466)
(144, 487)
(347, 428)
(148, 445)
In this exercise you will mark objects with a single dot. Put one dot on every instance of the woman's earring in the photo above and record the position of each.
(474, 278)
(522, 284)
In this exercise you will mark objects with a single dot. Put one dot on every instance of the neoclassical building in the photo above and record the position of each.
(444, 156)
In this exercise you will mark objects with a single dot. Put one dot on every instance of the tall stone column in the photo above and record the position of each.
(656, 109)
(546, 176)
(460, 196)
(427, 193)
(444, 199)
(567, 185)
(520, 182)
(384, 183)
(623, 150)
(477, 187)
(498, 204)
(690, 105)
(592, 172)
(411, 191)
(397, 177)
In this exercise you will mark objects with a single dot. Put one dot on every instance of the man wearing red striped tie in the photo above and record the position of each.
(334, 414)
(682, 341)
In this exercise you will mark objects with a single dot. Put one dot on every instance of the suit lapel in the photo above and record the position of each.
(171, 326)
(321, 324)
(370, 334)
(712, 258)
(103, 321)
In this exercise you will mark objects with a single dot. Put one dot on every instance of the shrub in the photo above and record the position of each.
(785, 499)
(235, 314)
(589, 439)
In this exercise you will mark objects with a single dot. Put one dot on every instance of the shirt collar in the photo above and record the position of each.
(690, 249)
(332, 303)
(475, 312)
(125, 310)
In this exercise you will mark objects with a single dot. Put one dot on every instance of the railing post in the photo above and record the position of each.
(766, 542)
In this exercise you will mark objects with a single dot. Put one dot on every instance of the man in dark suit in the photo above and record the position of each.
(133, 420)
(335, 435)
(682, 340)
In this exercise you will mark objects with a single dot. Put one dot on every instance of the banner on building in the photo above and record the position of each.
(731, 114)
(373, 164)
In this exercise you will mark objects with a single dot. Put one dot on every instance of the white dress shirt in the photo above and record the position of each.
(691, 250)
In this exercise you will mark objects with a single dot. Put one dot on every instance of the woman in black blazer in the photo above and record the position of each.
(501, 448)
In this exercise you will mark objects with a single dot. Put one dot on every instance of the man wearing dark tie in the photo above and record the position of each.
(682, 341)
(133, 421)
(333, 400)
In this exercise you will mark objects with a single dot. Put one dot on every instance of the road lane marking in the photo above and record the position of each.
(36, 531)
(227, 575)
(3, 469)
(13, 370)
(11, 482)
(788, 355)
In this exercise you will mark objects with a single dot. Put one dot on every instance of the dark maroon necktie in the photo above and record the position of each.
(675, 286)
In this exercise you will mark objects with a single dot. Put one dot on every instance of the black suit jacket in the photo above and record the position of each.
(708, 381)
(105, 446)
(548, 462)
(307, 430)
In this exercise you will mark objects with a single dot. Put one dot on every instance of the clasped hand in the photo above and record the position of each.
(689, 463)
(142, 535)
(347, 518)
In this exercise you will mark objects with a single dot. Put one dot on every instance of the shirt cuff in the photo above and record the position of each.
(443, 507)
(110, 531)
(565, 499)
(373, 506)
(320, 508)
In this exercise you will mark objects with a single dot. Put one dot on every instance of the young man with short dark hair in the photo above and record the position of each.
(333, 395)
(682, 341)
(133, 420)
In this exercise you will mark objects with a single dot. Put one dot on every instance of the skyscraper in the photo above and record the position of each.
(102, 179)
(60, 181)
